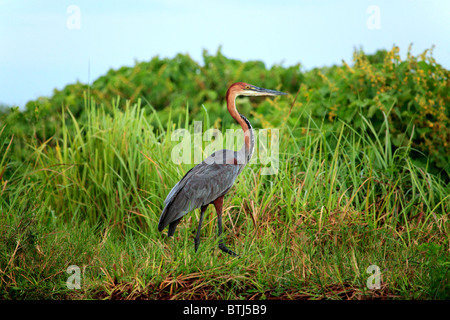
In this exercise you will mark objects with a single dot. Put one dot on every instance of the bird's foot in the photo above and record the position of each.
(196, 244)
(224, 248)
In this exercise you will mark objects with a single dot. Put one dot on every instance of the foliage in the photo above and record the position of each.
(83, 176)
(413, 94)
(437, 266)
(308, 232)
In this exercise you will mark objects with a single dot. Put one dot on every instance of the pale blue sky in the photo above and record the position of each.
(38, 52)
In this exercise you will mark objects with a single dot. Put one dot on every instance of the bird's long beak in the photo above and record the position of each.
(257, 91)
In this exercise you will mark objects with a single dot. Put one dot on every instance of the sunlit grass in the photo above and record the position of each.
(338, 204)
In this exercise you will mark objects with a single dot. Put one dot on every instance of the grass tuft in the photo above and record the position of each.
(339, 204)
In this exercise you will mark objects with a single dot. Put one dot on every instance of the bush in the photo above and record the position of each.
(413, 94)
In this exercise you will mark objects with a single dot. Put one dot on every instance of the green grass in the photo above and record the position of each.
(338, 204)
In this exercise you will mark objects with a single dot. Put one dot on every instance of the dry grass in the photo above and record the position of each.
(338, 205)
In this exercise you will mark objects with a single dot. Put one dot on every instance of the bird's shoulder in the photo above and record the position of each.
(212, 176)
(223, 156)
(212, 168)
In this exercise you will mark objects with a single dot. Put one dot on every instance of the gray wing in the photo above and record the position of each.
(200, 186)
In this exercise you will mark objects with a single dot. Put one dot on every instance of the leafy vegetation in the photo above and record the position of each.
(362, 180)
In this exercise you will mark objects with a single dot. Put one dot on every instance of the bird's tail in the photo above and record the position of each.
(172, 227)
(163, 221)
(176, 207)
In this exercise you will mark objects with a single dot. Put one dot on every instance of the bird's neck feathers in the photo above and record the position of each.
(249, 140)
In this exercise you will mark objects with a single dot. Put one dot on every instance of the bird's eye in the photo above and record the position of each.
(247, 87)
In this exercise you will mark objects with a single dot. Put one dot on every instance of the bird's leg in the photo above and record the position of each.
(218, 204)
(197, 237)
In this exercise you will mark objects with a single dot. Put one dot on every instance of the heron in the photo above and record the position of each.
(209, 181)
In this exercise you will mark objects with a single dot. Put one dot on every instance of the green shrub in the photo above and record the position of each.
(414, 95)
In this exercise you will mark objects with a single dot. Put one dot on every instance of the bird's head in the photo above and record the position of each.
(245, 89)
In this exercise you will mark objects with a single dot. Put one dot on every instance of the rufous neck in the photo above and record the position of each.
(245, 124)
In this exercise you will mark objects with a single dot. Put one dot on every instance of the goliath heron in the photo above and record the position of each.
(209, 181)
